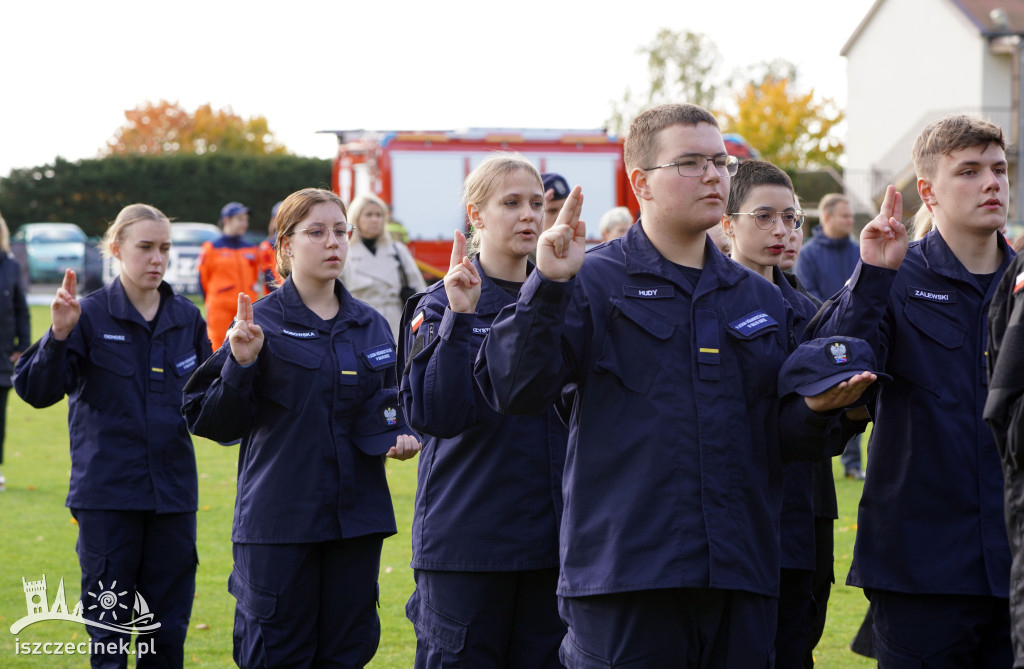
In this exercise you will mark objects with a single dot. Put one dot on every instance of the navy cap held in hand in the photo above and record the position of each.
(817, 365)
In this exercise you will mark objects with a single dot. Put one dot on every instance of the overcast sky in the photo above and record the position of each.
(71, 68)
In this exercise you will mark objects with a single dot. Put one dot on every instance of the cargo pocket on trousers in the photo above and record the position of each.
(444, 635)
(254, 607)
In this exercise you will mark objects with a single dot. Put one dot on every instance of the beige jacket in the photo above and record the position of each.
(374, 278)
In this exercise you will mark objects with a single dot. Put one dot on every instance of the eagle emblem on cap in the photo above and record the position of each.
(391, 416)
(838, 351)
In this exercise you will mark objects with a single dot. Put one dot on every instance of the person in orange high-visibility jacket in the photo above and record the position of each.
(227, 266)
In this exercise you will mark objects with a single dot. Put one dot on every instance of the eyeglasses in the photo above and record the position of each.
(318, 232)
(695, 165)
(765, 218)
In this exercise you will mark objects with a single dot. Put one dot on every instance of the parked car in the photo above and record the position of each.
(51, 248)
(183, 263)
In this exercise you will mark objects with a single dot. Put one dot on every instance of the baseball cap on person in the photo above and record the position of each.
(380, 423)
(817, 365)
(233, 209)
(556, 182)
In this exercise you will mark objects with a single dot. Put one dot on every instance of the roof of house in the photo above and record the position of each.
(978, 12)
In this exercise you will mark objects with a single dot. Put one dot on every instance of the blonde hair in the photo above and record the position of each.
(5, 236)
(481, 183)
(923, 222)
(355, 210)
(294, 209)
(615, 216)
(133, 213)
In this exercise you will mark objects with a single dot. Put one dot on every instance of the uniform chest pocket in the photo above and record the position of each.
(634, 345)
(107, 380)
(292, 373)
(919, 358)
(759, 353)
(113, 359)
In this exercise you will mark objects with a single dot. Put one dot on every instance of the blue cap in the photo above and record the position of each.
(817, 365)
(380, 423)
(233, 209)
(556, 182)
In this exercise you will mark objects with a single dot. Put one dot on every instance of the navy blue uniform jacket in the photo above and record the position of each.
(931, 516)
(673, 473)
(130, 449)
(489, 490)
(301, 475)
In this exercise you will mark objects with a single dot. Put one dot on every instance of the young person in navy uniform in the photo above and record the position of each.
(669, 538)
(122, 355)
(485, 530)
(931, 550)
(308, 384)
(763, 217)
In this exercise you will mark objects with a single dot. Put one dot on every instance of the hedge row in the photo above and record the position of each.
(186, 187)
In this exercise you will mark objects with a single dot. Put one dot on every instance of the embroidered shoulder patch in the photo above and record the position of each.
(753, 322)
(380, 356)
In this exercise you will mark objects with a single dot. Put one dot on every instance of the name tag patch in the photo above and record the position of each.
(380, 356)
(186, 364)
(481, 331)
(753, 322)
(117, 337)
(649, 292)
(300, 334)
(943, 297)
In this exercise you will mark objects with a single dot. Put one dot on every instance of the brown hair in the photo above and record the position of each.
(481, 183)
(294, 209)
(133, 213)
(5, 236)
(829, 203)
(953, 133)
(641, 143)
(750, 175)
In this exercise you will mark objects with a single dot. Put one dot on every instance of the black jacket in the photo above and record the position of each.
(14, 324)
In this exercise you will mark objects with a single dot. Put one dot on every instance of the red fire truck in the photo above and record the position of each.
(420, 174)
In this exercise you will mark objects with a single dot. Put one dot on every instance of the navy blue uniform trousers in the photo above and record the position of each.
(280, 588)
(683, 628)
(486, 620)
(949, 631)
(152, 553)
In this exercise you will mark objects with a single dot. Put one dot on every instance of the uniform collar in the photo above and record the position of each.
(493, 298)
(295, 311)
(121, 308)
(939, 258)
(642, 258)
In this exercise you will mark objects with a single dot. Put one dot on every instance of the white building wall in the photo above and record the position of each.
(914, 62)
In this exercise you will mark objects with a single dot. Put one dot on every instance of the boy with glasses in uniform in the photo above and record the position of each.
(672, 485)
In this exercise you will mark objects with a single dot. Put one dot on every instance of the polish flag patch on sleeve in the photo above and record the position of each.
(1018, 283)
(417, 322)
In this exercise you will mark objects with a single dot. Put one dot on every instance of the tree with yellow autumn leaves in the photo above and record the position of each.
(165, 127)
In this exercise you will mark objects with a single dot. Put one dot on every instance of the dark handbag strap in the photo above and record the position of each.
(401, 268)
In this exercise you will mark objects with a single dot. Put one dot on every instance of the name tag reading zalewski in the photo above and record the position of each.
(649, 292)
(942, 297)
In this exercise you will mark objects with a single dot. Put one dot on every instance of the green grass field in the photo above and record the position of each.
(38, 537)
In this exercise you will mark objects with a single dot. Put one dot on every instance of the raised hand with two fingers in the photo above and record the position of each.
(65, 309)
(245, 337)
(883, 241)
(561, 248)
(462, 282)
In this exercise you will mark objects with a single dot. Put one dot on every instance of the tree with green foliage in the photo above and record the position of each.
(681, 67)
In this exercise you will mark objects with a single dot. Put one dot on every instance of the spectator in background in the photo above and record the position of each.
(824, 265)
(615, 222)
(720, 239)
(14, 327)
(268, 254)
(227, 265)
(794, 243)
(379, 271)
(556, 189)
